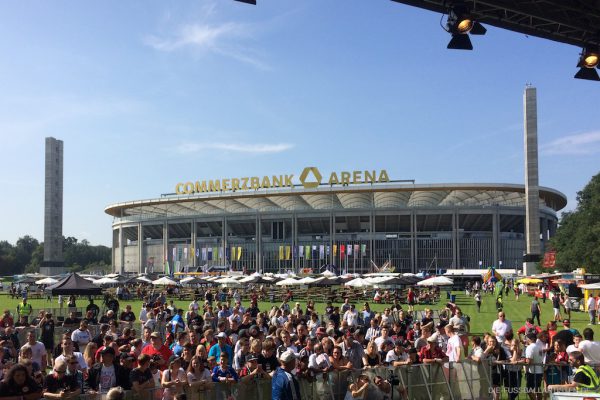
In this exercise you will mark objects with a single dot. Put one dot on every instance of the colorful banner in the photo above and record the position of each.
(349, 249)
(280, 253)
(239, 253)
(174, 253)
(288, 252)
(307, 252)
(321, 252)
(204, 253)
(356, 247)
(335, 250)
(210, 254)
(301, 251)
(363, 249)
(342, 250)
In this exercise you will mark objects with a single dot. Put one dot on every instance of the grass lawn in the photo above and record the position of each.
(516, 311)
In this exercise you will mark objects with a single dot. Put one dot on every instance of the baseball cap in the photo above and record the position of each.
(287, 356)
(251, 357)
(431, 339)
(321, 331)
(221, 335)
(399, 343)
(127, 356)
(155, 335)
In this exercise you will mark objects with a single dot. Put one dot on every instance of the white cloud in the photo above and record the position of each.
(264, 148)
(579, 144)
(220, 39)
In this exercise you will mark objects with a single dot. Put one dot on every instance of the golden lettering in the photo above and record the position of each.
(345, 177)
(277, 180)
(178, 189)
(356, 177)
(383, 176)
(225, 184)
(265, 182)
(255, 182)
(245, 184)
(288, 180)
(370, 177)
(235, 184)
(189, 187)
(214, 186)
(333, 179)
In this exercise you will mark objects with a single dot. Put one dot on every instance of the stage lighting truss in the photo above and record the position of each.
(460, 24)
(589, 60)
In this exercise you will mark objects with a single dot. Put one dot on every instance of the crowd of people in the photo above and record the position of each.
(209, 342)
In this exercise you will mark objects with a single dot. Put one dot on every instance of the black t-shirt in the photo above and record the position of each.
(566, 336)
(268, 364)
(71, 321)
(139, 376)
(253, 311)
(555, 302)
(127, 316)
(582, 378)
(55, 384)
(47, 330)
(9, 389)
(94, 309)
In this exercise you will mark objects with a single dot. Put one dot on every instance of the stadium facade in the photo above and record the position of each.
(352, 220)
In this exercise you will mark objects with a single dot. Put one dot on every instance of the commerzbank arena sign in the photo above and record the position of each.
(309, 178)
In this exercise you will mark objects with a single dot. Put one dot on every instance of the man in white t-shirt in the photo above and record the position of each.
(589, 348)
(67, 346)
(81, 336)
(351, 317)
(534, 358)
(501, 327)
(38, 350)
(592, 307)
(383, 338)
(454, 350)
(397, 356)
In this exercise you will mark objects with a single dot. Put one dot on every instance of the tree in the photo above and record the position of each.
(577, 239)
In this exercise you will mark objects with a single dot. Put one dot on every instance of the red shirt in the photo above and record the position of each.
(431, 354)
(7, 321)
(164, 352)
(524, 328)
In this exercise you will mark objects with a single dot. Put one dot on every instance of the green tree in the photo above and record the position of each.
(577, 239)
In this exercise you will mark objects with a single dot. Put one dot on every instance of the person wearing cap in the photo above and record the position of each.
(284, 385)
(321, 333)
(221, 348)
(60, 386)
(126, 363)
(157, 348)
(252, 371)
(352, 350)
(432, 353)
(105, 374)
(173, 379)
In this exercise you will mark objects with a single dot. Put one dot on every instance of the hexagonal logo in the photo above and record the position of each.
(305, 174)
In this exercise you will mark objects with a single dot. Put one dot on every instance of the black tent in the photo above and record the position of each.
(74, 284)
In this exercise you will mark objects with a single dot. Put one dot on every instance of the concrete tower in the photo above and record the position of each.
(532, 195)
(53, 208)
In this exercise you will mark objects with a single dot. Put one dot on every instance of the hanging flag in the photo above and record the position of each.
(179, 252)
(294, 252)
(204, 252)
(335, 250)
(301, 251)
(174, 253)
(280, 252)
(288, 252)
(342, 250)
(349, 248)
(239, 253)
(221, 253)
(321, 252)
(185, 253)
(210, 254)
(197, 252)
(167, 268)
(228, 254)
(307, 252)
(328, 250)
(356, 247)
(363, 249)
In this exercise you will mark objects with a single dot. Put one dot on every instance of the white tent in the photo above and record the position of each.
(46, 281)
(187, 279)
(143, 278)
(228, 281)
(358, 283)
(588, 286)
(327, 273)
(436, 281)
(106, 281)
(289, 282)
(112, 275)
(164, 281)
(308, 279)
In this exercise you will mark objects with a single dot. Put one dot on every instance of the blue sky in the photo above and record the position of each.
(146, 94)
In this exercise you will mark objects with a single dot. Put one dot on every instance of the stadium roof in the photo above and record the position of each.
(378, 196)
(575, 22)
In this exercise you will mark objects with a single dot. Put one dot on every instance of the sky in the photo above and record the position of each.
(146, 94)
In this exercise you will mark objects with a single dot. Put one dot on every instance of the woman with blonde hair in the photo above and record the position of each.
(371, 358)
(89, 354)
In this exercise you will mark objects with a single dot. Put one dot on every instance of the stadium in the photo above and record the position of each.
(357, 221)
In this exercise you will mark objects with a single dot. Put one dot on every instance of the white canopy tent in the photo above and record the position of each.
(46, 281)
(105, 281)
(165, 281)
(289, 282)
(358, 283)
(436, 281)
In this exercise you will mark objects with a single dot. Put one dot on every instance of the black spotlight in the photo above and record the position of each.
(247, 1)
(460, 23)
(589, 60)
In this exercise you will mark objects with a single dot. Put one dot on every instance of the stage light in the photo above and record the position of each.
(588, 61)
(460, 23)
(247, 1)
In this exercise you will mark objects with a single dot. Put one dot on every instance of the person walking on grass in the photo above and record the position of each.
(478, 300)
(536, 310)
